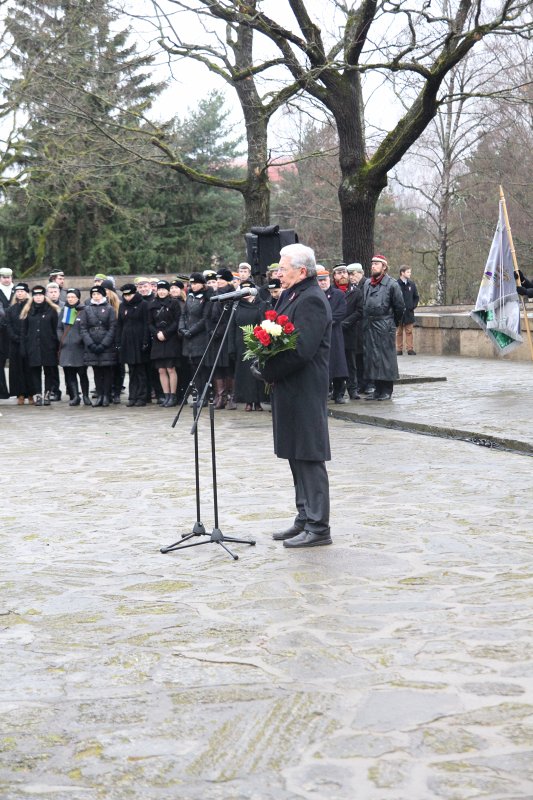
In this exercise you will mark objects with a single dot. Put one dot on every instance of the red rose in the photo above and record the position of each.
(264, 338)
(288, 327)
(282, 319)
(271, 315)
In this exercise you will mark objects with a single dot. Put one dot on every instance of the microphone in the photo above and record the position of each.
(247, 292)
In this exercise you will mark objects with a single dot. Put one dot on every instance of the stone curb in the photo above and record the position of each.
(474, 437)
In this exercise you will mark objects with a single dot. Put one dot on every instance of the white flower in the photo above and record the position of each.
(272, 328)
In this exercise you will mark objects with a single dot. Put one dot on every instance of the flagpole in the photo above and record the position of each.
(515, 264)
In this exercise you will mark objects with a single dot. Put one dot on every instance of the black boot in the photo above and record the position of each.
(86, 400)
(172, 401)
(99, 400)
(46, 399)
(105, 400)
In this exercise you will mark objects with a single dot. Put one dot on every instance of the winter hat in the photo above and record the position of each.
(101, 289)
(177, 283)
(23, 286)
(55, 273)
(225, 275)
(5, 272)
(380, 258)
(355, 267)
(342, 265)
(274, 283)
(321, 272)
(128, 288)
(38, 290)
(248, 284)
(107, 284)
(141, 279)
(163, 285)
(74, 291)
(196, 277)
(100, 276)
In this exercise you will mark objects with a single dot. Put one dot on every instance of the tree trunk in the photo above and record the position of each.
(443, 214)
(358, 212)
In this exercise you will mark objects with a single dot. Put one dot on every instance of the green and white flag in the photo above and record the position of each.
(497, 308)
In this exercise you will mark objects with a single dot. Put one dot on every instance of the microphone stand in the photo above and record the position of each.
(216, 536)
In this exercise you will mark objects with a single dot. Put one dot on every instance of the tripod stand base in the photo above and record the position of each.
(215, 537)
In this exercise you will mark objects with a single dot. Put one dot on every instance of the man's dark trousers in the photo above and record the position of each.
(311, 487)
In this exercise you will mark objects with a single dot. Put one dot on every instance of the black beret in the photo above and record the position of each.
(197, 277)
(225, 275)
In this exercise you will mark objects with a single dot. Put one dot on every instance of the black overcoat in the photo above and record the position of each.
(39, 336)
(194, 319)
(71, 347)
(19, 376)
(382, 312)
(246, 389)
(98, 326)
(410, 299)
(352, 324)
(218, 314)
(164, 315)
(300, 377)
(338, 367)
(133, 336)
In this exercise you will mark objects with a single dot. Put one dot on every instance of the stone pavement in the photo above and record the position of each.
(396, 664)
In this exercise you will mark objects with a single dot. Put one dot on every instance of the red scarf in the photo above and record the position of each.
(342, 286)
(377, 281)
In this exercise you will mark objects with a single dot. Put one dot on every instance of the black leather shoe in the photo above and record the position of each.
(384, 396)
(308, 539)
(294, 530)
(373, 396)
(355, 396)
(99, 400)
(411, 353)
(86, 400)
(105, 400)
(130, 403)
(340, 399)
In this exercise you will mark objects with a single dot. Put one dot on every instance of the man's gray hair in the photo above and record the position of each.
(300, 256)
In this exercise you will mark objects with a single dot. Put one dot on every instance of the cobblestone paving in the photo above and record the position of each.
(395, 665)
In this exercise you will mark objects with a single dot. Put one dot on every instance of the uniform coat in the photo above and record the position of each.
(194, 320)
(247, 389)
(98, 326)
(164, 315)
(19, 376)
(338, 368)
(300, 377)
(39, 336)
(383, 310)
(216, 311)
(71, 347)
(352, 324)
(133, 336)
(410, 299)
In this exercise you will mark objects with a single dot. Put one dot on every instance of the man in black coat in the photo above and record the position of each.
(410, 299)
(299, 394)
(351, 324)
(338, 368)
(7, 290)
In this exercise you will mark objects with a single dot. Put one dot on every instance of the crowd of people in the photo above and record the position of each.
(157, 332)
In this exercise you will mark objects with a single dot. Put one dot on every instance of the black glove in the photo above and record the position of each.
(521, 290)
(255, 370)
(92, 347)
(519, 276)
(99, 348)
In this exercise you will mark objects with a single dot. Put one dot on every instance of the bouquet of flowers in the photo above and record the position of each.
(275, 334)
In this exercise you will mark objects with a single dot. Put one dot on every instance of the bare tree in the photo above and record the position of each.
(408, 41)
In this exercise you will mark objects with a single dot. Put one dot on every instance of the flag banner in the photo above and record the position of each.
(497, 308)
(69, 315)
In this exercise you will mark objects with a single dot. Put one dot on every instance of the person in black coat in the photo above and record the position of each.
(98, 326)
(133, 342)
(524, 285)
(250, 311)
(193, 327)
(338, 368)
(7, 290)
(383, 310)
(350, 324)
(299, 394)
(20, 383)
(218, 317)
(163, 322)
(411, 300)
(39, 342)
(71, 348)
